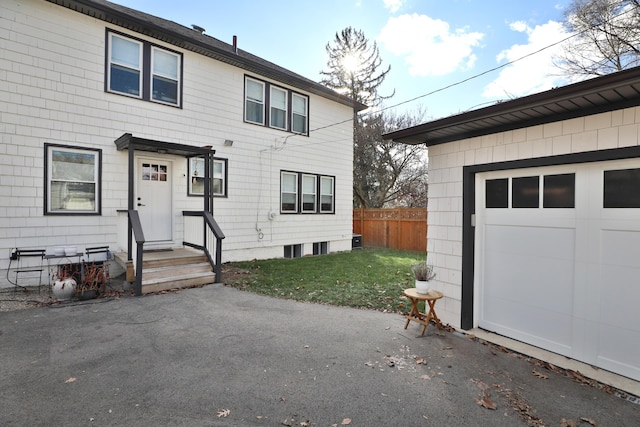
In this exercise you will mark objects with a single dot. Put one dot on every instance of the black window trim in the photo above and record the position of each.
(146, 71)
(225, 183)
(299, 210)
(98, 153)
(267, 106)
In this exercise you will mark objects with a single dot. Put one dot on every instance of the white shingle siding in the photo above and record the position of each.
(52, 63)
(615, 129)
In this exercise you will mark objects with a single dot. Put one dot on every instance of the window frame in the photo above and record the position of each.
(299, 193)
(333, 194)
(49, 149)
(216, 160)
(261, 102)
(273, 88)
(306, 115)
(296, 192)
(153, 74)
(267, 90)
(146, 69)
(303, 193)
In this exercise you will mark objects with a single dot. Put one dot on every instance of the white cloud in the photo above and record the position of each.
(532, 74)
(393, 5)
(428, 45)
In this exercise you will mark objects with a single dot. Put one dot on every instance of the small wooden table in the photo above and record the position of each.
(430, 299)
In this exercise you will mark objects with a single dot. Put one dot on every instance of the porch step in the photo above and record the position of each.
(174, 269)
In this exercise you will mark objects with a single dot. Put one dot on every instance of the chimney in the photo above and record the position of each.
(235, 44)
(198, 28)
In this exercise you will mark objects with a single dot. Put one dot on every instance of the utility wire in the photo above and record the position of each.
(475, 76)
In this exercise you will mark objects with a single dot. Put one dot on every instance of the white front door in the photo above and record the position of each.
(560, 272)
(153, 200)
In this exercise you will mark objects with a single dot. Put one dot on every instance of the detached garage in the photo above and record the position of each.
(534, 219)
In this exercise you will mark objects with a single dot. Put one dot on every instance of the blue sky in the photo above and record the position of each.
(430, 44)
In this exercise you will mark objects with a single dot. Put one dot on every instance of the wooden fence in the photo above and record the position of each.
(400, 228)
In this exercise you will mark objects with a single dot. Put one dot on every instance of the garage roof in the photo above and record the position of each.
(607, 93)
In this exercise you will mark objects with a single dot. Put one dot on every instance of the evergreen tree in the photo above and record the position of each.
(354, 67)
(384, 173)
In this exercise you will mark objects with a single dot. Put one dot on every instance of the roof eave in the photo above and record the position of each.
(198, 43)
(423, 133)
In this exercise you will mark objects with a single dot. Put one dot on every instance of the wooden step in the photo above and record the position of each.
(171, 280)
(172, 269)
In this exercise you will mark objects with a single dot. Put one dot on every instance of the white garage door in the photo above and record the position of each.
(558, 260)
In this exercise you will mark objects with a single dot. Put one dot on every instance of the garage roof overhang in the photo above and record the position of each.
(611, 92)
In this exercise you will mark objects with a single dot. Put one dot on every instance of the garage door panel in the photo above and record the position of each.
(534, 306)
(568, 279)
(514, 257)
(619, 318)
(531, 324)
(619, 350)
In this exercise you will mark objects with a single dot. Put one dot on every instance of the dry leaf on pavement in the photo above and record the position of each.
(223, 413)
(539, 375)
(486, 402)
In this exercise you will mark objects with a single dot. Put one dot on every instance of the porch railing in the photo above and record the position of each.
(138, 235)
(206, 235)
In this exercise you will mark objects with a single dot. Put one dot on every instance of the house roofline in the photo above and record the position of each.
(195, 41)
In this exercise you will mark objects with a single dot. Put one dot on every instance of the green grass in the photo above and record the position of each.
(363, 278)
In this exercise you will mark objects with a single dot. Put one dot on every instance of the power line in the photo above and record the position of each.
(475, 76)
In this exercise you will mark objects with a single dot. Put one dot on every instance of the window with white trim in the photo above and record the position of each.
(309, 193)
(289, 192)
(299, 116)
(142, 70)
(326, 194)
(305, 193)
(269, 105)
(254, 101)
(72, 180)
(278, 112)
(218, 177)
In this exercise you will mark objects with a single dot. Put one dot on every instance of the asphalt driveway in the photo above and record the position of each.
(216, 356)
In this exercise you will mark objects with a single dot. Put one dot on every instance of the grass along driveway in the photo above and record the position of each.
(363, 278)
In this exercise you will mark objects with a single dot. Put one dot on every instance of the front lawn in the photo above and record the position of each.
(363, 278)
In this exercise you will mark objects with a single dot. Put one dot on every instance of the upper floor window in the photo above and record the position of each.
(141, 70)
(269, 105)
(278, 108)
(218, 177)
(72, 180)
(299, 116)
(254, 101)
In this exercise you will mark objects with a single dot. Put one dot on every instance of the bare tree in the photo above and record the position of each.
(384, 173)
(607, 37)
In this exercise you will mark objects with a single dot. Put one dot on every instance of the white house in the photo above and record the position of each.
(534, 219)
(108, 114)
